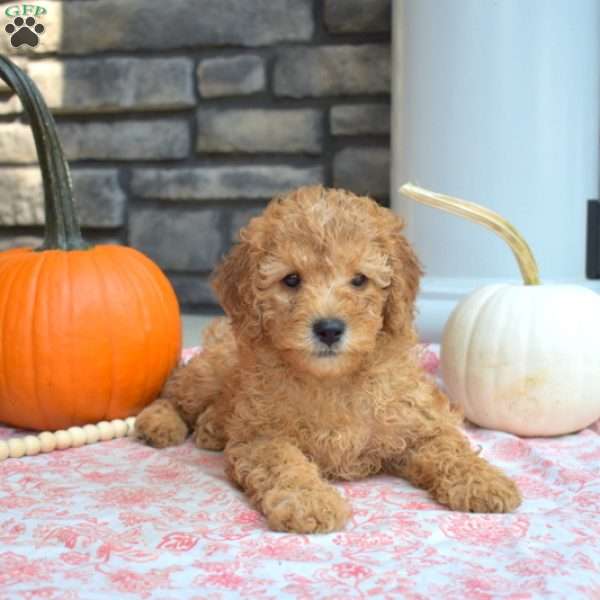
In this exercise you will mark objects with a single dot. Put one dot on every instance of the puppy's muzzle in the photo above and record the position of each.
(329, 331)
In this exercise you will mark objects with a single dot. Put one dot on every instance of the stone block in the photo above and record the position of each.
(16, 144)
(123, 140)
(221, 183)
(22, 196)
(177, 239)
(333, 70)
(231, 76)
(259, 130)
(351, 16)
(193, 290)
(162, 139)
(20, 241)
(114, 84)
(84, 27)
(363, 170)
(360, 119)
(98, 196)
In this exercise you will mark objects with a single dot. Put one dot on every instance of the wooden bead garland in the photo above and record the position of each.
(74, 437)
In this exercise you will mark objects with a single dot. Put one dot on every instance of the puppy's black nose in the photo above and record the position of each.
(329, 331)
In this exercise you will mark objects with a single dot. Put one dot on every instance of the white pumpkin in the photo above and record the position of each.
(525, 359)
(521, 358)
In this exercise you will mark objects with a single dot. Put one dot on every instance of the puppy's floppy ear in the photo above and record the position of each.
(399, 310)
(234, 284)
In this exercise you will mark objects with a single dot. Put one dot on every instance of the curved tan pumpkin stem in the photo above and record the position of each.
(483, 216)
(74, 437)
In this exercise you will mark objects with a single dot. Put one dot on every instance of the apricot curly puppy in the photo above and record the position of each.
(313, 377)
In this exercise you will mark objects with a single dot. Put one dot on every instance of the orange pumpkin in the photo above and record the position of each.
(86, 333)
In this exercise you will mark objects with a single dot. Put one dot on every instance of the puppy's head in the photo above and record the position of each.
(321, 277)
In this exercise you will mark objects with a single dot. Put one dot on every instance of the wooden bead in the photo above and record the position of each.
(73, 437)
(16, 447)
(77, 436)
(92, 435)
(130, 425)
(119, 427)
(106, 431)
(63, 439)
(47, 441)
(32, 445)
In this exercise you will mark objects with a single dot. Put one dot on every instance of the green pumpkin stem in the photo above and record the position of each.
(62, 226)
(486, 217)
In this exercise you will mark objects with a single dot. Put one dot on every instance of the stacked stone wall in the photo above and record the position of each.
(181, 118)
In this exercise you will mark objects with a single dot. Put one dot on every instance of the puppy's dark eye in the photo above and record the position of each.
(359, 280)
(292, 280)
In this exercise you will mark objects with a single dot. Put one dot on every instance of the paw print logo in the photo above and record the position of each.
(24, 31)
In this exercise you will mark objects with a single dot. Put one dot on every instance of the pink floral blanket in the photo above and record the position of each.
(121, 520)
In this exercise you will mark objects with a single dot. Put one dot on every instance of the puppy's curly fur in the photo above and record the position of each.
(292, 409)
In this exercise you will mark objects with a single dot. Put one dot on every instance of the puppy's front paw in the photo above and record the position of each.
(160, 426)
(488, 492)
(208, 431)
(314, 510)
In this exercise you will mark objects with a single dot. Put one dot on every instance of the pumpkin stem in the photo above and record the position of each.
(62, 227)
(483, 216)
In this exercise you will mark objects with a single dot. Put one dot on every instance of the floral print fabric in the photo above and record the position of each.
(122, 520)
